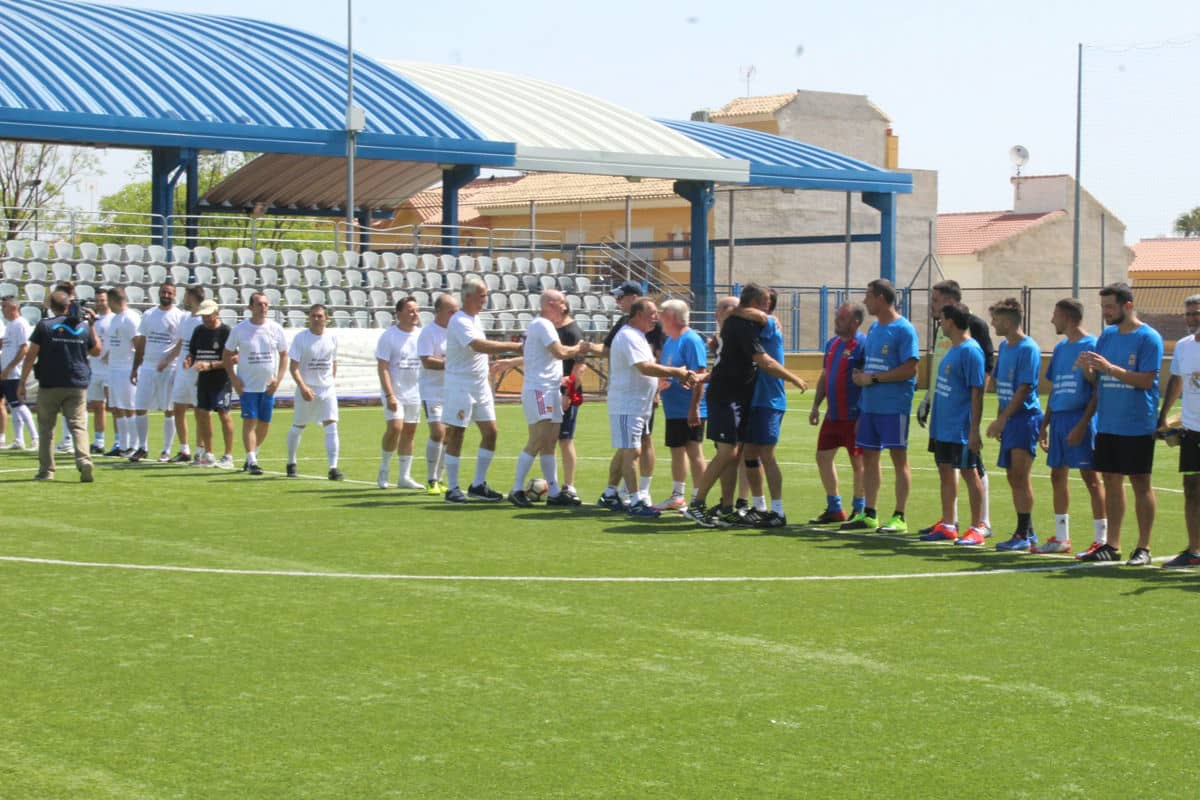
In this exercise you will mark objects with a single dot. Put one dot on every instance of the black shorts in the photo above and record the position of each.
(218, 400)
(977, 462)
(727, 421)
(567, 431)
(1124, 455)
(679, 433)
(650, 422)
(955, 454)
(9, 389)
(1189, 452)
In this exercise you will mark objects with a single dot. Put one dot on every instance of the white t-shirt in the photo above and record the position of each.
(16, 334)
(119, 345)
(432, 342)
(629, 391)
(399, 349)
(316, 356)
(543, 371)
(159, 327)
(258, 348)
(100, 326)
(183, 333)
(464, 365)
(1186, 364)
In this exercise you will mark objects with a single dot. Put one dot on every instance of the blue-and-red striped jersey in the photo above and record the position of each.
(842, 357)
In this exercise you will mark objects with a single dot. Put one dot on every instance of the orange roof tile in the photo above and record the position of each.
(753, 106)
(1176, 254)
(973, 231)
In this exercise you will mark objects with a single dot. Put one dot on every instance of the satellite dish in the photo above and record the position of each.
(1019, 155)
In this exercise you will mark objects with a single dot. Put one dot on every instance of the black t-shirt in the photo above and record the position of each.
(734, 372)
(982, 334)
(62, 361)
(655, 337)
(208, 344)
(570, 334)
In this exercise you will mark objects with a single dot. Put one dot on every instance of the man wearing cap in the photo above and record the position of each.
(627, 294)
(204, 355)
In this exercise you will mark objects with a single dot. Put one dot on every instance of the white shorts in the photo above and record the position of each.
(120, 390)
(540, 405)
(95, 390)
(153, 391)
(468, 403)
(627, 429)
(433, 410)
(183, 388)
(323, 406)
(409, 413)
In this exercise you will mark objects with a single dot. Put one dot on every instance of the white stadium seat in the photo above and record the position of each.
(395, 279)
(288, 257)
(341, 318)
(383, 319)
(429, 261)
(268, 276)
(156, 253)
(180, 274)
(228, 296)
(135, 254)
(135, 273)
(89, 251)
(64, 251)
(204, 275)
(85, 272)
(310, 258)
(62, 271)
(202, 255)
(466, 264)
(156, 274)
(447, 263)
(111, 274)
(180, 254)
(316, 296)
(135, 294)
(37, 270)
(292, 277)
(226, 276)
(484, 264)
(247, 276)
(313, 277)
(369, 260)
(504, 264)
(224, 256)
(329, 258)
(350, 259)
(337, 297)
(85, 292)
(246, 257)
(268, 257)
(15, 248)
(32, 314)
(39, 249)
(293, 297)
(296, 319)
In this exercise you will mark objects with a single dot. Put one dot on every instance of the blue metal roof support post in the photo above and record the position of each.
(703, 277)
(167, 166)
(453, 179)
(885, 204)
(193, 200)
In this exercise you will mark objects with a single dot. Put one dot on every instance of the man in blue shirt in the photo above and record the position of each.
(888, 378)
(954, 429)
(684, 408)
(1018, 366)
(1068, 432)
(1125, 364)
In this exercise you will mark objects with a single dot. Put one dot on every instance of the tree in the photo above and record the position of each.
(1188, 223)
(33, 176)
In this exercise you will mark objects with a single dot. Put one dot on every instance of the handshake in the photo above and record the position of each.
(686, 377)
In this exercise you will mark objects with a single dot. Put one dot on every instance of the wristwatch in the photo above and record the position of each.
(874, 379)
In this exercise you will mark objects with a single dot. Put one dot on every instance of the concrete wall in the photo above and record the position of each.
(845, 123)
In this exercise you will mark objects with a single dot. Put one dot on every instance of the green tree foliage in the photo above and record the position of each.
(1188, 223)
(33, 177)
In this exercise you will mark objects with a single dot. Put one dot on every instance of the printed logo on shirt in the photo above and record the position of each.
(884, 350)
(1132, 359)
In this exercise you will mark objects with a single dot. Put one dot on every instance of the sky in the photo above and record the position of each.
(962, 82)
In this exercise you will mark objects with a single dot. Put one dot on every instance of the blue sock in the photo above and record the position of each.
(859, 505)
(833, 502)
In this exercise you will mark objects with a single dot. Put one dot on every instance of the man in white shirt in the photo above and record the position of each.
(152, 371)
(541, 398)
(313, 364)
(399, 369)
(468, 394)
(12, 356)
(1185, 383)
(97, 391)
(262, 359)
(633, 374)
(183, 385)
(118, 356)
(431, 349)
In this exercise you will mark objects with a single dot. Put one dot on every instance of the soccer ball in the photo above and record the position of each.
(537, 489)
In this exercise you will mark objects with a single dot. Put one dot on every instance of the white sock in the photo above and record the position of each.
(119, 432)
(451, 471)
(293, 442)
(777, 507)
(550, 473)
(623, 494)
(610, 490)
(987, 502)
(98, 440)
(332, 444)
(1062, 527)
(483, 460)
(252, 457)
(759, 503)
(142, 426)
(168, 433)
(433, 454)
(385, 464)
(524, 464)
(632, 495)
(22, 414)
(129, 437)
(1101, 528)
(678, 487)
(644, 484)
(405, 467)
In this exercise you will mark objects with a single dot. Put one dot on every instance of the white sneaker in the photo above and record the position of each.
(64, 447)
(210, 460)
(226, 461)
(407, 482)
(16, 445)
(382, 480)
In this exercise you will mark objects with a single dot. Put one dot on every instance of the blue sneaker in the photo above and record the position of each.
(1018, 543)
(940, 533)
(640, 509)
(612, 502)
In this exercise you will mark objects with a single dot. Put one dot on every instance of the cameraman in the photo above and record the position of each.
(58, 351)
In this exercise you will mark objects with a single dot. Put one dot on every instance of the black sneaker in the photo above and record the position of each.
(726, 519)
(745, 518)
(246, 465)
(1140, 558)
(96, 450)
(115, 452)
(1185, 560)
(828, 517)
(291, 471)
(612, 502)
(254, 469)
(181, 458)
(573, 496)
(697, 512)
(335, 474)
(561, 499)
(138, 455)
(1105, 552)
(519, 499)
(455, 495)
(769, 519)
(481, 491)
(127, 452)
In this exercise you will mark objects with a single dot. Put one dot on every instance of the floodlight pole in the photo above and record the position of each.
(1078, 161)
(350, 221)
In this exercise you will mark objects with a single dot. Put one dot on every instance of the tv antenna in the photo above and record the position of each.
(748, 74)
(1018, 154)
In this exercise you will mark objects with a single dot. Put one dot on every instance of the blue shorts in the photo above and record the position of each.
(258, 405)
(763, 425)
(727, 422)
(1062, 454)
(214, 399)
(9, 388)
(1020, 433)
(882, 431)
(567, 431)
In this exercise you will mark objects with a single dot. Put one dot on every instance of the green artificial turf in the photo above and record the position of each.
(119, 683)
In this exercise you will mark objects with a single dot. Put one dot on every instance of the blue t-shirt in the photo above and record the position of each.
(1016, 365)
(960, 371)
(887, 347)
(688, 351)
(769, 391)
(1121, 409)
(1070, 390)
